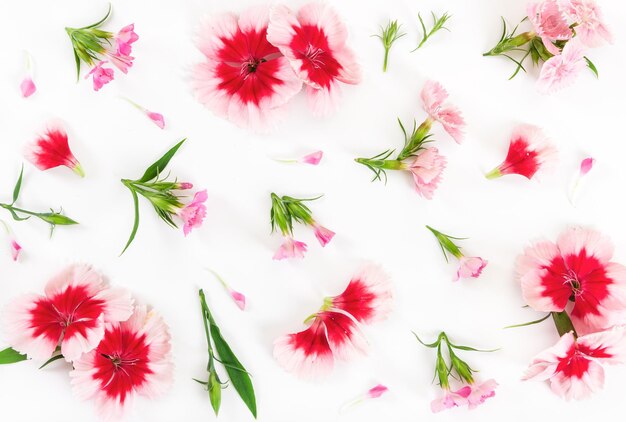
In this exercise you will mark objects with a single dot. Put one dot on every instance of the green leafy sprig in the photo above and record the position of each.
(239, 377)
(443, 369)
(446, 243)
(438, 24)
(10, 355)
(87, 42)
(53, 218)
(157, 190)
(388, 36)
(379, 164)
(286, 209)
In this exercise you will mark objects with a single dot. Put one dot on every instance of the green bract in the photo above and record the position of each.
(286, 209)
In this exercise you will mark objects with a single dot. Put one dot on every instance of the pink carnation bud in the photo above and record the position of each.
(15, 249)
(27, 87)
(322, 234)
(193, 214)
(314, 158)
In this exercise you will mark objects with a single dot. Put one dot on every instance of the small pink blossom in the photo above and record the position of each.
(427, 169)
(470, 395)
(590, 27)
(127, 35)
(549, 23)
(101, 75)
(193, 213)
(322, 234)
(27, 87)
(15, 249)
(470, 267)
(433, 97)
(562, 70)
(313, 158)
(290, 249)
(481, 392)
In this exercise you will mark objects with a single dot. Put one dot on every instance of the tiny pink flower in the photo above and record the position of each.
(451, 399)
(562, 70)
(590, 27)
(239, 298)
(322, 234)
(314, 158)
(377, 391)
(101, 75)
(470, 267)
(433, 97)
(127, 35)
(15, 249)
(427, 169)
(185, 186)
(290, 249)
(157, 118)
(549, 23)
(193, 214)
(27, 87)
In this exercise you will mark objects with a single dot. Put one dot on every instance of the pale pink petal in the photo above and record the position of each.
(157, 118)
(306, 353)
(427, 169)
(81, 340)
(313, 158)
(27, 86)
(586, 165)
(15, 249)
(322, 234)
(561, 70)
(290, 249)
(531, 268)
(470, 267)
(239, 298)
(377, 391)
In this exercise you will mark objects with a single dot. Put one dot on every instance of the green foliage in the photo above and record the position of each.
(388, 36)
(438, 24)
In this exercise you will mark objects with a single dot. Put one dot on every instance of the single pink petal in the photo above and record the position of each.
(157, 118)
(15, 249)
(239, 298)
(377, 391)
(470, 267)
(313, 158)
(562, 70)
(27, 87)
(290, 249)
(586, 165)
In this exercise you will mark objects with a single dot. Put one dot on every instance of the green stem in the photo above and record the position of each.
(23, 211)
(385, 60)
(563, 323)
(494, 174)
(382, 164)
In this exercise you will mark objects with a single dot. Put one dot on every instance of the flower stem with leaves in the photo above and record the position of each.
(388, 36)
(53, 218)
(239, 377)
(438, 24)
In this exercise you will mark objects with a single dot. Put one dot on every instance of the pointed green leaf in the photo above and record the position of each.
(10, 355)
(592, 66)
(136, 223)
(101, 21)
(18, 186)
(157, 168)
(52, 359)
(238, 375)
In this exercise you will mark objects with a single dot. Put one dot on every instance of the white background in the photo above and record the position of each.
(373, 221)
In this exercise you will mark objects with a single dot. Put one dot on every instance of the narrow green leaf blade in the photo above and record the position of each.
(52, 359)
(157, 168)
(136, 223)
(592, 66)
(10, 355)
(236, 372)
(18, 186)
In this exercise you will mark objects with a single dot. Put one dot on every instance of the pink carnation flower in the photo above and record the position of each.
(323, 235)
(574, 365)
(434, 96)
(471, 395)
(290, 248)
(244, 78)
(193, 213)
(427, 168)
(590, 27)
(549, 23)
(470, 267)
(101, 75)
(315, 42)
(562, 70)
(52, 150)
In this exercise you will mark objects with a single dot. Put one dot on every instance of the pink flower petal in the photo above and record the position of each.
(27, 86)
(313, 158)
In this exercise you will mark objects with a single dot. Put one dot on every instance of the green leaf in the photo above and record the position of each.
(136, 223)
(18, 186)
(10, 355)
(526, 324)
(77, 60)
(157, 168)
(52, 359)
(238, 375)
(592, 66)
(56, 219)
(101, 21)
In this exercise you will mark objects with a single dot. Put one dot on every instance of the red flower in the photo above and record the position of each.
(244, 77)
(314, 42)
(133, 358)
(577, 273)
(334, 332)
(72, 314)
(52, 150)
(529, 151)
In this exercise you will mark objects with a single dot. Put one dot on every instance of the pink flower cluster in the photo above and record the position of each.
(118, 52)
(566, 28)
(118, 350)
(576, 277)
(258, 61)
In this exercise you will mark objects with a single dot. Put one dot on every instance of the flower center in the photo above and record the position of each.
(315, 56)
(571, 278)
(250, 66)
